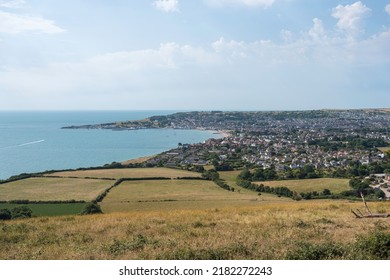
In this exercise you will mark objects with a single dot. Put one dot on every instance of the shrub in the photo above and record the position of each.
(375, 245)
(21, 212)
(5, 214)
(308, 251)
(92, 208)
(326, 192)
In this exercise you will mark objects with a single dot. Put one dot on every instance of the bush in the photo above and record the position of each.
(21, 212)
(5, 214)
(92, 208)
(375, 245)
(326, 192)
(308, 251)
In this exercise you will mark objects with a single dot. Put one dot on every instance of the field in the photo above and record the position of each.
(49, 209)
(174, 194)
(309, 185)
(188, 219)
(384, 149)
(53, 189)
(318, 229)
(128, 173)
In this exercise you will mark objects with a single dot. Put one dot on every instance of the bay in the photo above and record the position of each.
(34, 141)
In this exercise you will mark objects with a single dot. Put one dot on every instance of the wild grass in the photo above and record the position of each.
(309, 185)
(280, 230)
(52, 189)
(128, 173)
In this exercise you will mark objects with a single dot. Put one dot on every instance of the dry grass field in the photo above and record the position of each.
(51, 189)
(128, 173)
(280, 230)
(310, 185)
(175, 194)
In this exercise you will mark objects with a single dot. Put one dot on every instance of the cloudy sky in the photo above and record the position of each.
(194, 55)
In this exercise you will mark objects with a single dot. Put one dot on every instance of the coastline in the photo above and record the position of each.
(137, 160)
(223, 133)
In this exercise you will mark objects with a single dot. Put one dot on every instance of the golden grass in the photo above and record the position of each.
(128, 173)
(46, 189)
(168, 190)
(384, 149)
(310, 185)
(137, 160)
(175, 194)
(263, 231)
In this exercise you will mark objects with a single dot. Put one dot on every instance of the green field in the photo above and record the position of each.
(173, 195)
(128, 173)
(49, 209)
(309, 185)
(53, 189)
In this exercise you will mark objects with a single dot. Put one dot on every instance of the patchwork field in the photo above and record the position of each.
(309, 185)
(128, 173)
(188, 219)
(53, 189)
(173, 194)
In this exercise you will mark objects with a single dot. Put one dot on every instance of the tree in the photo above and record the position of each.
(326, 192)
(92, 208)
(245, 174)
(211, 175)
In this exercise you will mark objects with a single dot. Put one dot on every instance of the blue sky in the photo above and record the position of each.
(194, 55)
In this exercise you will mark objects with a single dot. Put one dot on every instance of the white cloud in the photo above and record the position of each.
(387, 9)
(13, 4)
(350, 17)
(317, 32)
(12, 23)
(249, 3)
(166, 5)
(314, 60)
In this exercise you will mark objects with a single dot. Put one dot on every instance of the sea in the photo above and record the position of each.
(34, 141)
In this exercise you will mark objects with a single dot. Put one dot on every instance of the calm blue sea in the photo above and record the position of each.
(34, 142)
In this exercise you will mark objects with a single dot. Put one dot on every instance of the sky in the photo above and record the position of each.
(194, 55)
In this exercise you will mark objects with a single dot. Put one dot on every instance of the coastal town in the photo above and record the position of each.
(296, 144)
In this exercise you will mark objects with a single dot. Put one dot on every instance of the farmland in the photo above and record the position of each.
(311, 185)
(51, 209)
(53, 189)
(186, 219)
(174, 195)
(127, 173)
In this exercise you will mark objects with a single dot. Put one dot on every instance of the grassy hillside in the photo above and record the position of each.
(279, 230)
(187, 219)
(310, 185)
